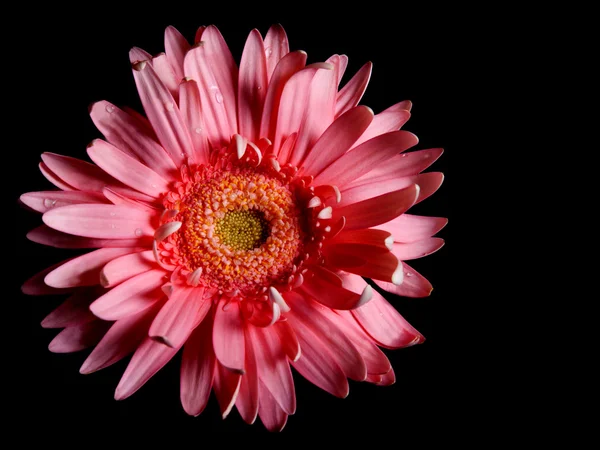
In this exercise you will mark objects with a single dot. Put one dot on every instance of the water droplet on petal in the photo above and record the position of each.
(169, 106)
(404, 155)
(48, 203)
(259, 88)
(408, 274)
(218, 97)
(268, 52)
(138, 232)
(198, 130)
(110, 109)
(154, 186)
(113, 226)
(113, 214)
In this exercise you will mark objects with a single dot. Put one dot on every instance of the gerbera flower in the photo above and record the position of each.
(237, 221)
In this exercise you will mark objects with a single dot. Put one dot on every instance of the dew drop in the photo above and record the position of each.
(408, 274)
(154, 186)
(48, 203)
(404, 155)
(198, 130)
(169, 106)
(138, 232)
(259, 88)
(113, 226)
(268, 52)
(113, 214)
(218, 97)
(110, 109)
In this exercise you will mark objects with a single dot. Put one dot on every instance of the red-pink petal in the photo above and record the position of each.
(197, 369)
(271, 414)
(73, 311)
(47, 236)
(137, 54)
(325, 291)
(125, 267)
(130, 297)
(247, 400)
(165, 73)
(46, 200)
(418, 249)
(370, 236)
(227, 386)
(100, 221)
(176, 46)
(228, 336)
(364, 260)
(405, 105)
(276, 47)
(289, 340)
(84, 270)
(353, 91)
(377, 210)
(411, 228)
(179, 316)
(189, 105)
(384, 122)
(36, 286)
(54, 179)
(252, 86)
(414, 284)
(78, 337)
(387, 379)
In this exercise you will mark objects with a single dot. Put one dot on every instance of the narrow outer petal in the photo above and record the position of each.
(228, 337)
(276, 47)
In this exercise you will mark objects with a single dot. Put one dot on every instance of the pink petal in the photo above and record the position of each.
(197, 369)
(387, 379)
(377, 210)
(117, 198)
(428, 183)
(36, 286)
(414, 284)
(247, 400)
(78, 337)
(73, 311)
(319, 113)
(252, 86)
(273, 367)
(100, 221)
(189, 105)
(47, 236)
(372, 237)
(179, 316)
(373, 378)
(353, 91)
(148, 359)
(130, 297)
(84, 270)
(276, 47)
(289, 340)
(365, 260)
(307, 313)
(165, 73)
(383, 322)
(318, 366)
(418, 249)
(137, 54)
(227, 386)
(271, 414)
(127, 169)
(384, 122)
(228, 336)
(199, 34)
(45, 200)
(337, 139)
(403, 165)
(54, 179)
(322, 289)
(163, 112)
(285, 69)
(176, 46)
(405, 105)
(364, 157)
(340, 62)
(123, 338)
(125, 267)
(410, 228)
(128, 134)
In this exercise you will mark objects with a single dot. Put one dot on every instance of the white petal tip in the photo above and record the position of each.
(163, 340)
(398, 275)
(138, 66)
(276, 297)
(314, 202)
(166, 229)
(325, 213)
(389, 242)
(366, 296)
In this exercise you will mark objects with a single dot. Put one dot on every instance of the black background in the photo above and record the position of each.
(69, 59)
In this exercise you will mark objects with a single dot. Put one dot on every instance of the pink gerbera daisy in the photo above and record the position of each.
(237, 221)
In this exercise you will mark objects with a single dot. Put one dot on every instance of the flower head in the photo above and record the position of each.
(237, 221)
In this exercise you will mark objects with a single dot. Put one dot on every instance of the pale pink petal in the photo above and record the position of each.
(176, 46)
(116, 198)
(377, 210)
(73, 311)
(36, 286)
(123, 338)
(428, 183)
(126, 169)
(318, 366)
(165, 73)
(228, 336)
(179, 316)
(100, 221)
(128, 134)
(287, 147)
(307, 313)
(337, 139)
(418, 249)
(411, 228)
(84, 270)
(54, 179)
(414, 284)
(47, 236)
(273, 367)
(189, 105)
(325, 291)
(364, 157)
(227, 387)
(319, 113)
(276, 47)
(163, 112)
(376, 238)
(125, 267)
(148, 359)
(340, 62)
(199, 33)
(46, 200)
(130, 297)
(364, 260)
(79, 337)
(289, 340)
(384, 122)
(405, 105)
(137, 54)
(353, 91)
(197, 369)
(247, 400)
(271, 414)
(252, 86)
(387, 379)
(288, 66)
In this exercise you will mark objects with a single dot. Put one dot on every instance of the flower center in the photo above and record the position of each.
(242, 230)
